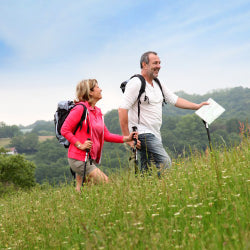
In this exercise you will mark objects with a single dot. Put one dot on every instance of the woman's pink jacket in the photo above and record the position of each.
(82, 135)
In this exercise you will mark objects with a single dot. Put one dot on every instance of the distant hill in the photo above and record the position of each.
(236, 101)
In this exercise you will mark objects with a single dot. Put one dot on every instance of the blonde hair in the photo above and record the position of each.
(83, 88)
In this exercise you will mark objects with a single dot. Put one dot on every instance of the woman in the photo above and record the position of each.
(90, 136)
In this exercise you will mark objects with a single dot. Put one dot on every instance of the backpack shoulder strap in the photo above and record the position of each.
(83, 118)
(142, 90)
(159, 84)
(143, 85)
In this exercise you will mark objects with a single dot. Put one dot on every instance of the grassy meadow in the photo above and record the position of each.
(201, 203)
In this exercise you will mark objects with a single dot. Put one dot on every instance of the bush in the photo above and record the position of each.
(17, 170)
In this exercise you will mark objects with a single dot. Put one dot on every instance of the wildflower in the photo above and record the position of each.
(153, 215)
(128, 212)
(137, 223)
(199, 216)
(172, 206)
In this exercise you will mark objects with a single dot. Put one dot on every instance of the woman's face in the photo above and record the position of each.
(96, 93)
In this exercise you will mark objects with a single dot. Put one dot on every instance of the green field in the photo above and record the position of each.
(4, 142)
(201, 203)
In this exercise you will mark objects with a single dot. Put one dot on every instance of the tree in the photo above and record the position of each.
(8, 131)
(17, 170)
(27, 143)
(52, 163)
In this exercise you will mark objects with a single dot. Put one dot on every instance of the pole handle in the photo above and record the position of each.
(87, 150)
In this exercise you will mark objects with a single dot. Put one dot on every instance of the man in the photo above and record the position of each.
(150, 118)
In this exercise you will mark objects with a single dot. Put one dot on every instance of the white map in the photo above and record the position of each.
(210, 112)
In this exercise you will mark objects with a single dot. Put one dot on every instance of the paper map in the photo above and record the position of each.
(210, 112)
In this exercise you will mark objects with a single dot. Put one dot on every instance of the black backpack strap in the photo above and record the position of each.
(84, 115)
(159, 84)
(141, 91)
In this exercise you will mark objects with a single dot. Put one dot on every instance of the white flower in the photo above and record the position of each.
(153, 215)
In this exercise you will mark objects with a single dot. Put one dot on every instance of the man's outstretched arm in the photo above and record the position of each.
(185, 104)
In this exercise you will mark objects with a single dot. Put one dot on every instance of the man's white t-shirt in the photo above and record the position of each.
(150, 109)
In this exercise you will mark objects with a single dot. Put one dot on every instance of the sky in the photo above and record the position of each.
(47, 47)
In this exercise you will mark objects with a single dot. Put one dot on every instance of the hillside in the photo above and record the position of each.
(236, 101)
(201, 203)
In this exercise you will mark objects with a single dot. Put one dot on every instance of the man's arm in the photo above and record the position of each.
(123, 118)
(185, 104)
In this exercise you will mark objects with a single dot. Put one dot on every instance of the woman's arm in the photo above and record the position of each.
(109, 137)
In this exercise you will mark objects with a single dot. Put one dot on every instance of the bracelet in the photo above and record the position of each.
(79, 145)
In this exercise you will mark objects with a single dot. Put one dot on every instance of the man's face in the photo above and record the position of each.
(153, 66)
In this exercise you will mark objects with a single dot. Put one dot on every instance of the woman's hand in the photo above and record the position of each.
(131, 139)
(132, 136)
(86, 145)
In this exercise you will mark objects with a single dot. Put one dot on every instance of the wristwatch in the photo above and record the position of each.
(79, 145)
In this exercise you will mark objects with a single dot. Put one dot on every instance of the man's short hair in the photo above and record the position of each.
(145, 57)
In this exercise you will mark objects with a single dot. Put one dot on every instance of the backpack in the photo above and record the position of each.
(142, 90)
(63, 109)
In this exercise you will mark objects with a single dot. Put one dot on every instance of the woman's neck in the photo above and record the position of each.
(92, 103)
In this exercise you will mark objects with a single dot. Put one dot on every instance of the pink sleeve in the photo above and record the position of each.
(69, 125)
(109, 137)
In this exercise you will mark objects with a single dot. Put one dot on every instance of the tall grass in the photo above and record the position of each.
(201, 203)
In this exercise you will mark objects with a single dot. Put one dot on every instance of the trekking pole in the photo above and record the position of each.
(85, 164)
(208, 134)
(134, 128)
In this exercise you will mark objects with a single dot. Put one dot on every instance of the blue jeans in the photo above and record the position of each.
(152, 152)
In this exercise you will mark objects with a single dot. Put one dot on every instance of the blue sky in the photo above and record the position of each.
(47, 47)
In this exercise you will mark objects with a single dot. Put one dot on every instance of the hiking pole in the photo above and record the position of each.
(134, 128)
(85, 164)
(208, 134)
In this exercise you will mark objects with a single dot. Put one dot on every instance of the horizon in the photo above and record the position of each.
(50, 46)
(207, 93)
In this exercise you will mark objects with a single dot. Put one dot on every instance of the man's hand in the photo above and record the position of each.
(131, 144)
(202, 104)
